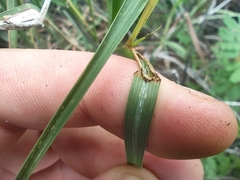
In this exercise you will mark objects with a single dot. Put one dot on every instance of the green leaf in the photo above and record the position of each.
(139, 111)
(125, 52)
(225, 34)
(210, 167)
(12, 34)
(177, 48)
(230, 23)
(115, 6)
(145, 15)
(123, 21)
(18, 9)
(59, 2)
(235, 76)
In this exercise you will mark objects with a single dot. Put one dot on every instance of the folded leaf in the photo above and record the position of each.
(139, 112)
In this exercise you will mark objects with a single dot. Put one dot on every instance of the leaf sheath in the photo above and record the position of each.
(139, 112)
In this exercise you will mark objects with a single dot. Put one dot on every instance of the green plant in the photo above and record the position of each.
(221, 165)
(225, 80)
(80, 25)
(227, 63)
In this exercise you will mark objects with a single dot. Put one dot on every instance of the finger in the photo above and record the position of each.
(127, 173)
(12, 158)
(57, 171)
(186, 124)
(89, 151)
(9, 134)
(93, 151)
(170, 173)
(84, 154)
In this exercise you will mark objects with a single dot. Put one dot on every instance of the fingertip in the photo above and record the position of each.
(127, 172)
(195, 124)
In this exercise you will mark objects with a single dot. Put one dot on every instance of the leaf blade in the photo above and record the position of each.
(140, 107)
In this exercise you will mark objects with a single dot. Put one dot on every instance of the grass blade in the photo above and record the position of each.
(123, 21)
(77, 14)
(145, 15)
(115, 6)
(94, 30)
(12, 34)
(18, 9)
(141, 103)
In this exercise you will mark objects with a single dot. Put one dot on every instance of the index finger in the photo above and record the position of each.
(186, 123)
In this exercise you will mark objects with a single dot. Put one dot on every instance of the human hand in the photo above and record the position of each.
(186, 124)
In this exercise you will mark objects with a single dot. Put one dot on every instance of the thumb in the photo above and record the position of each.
(127, 173)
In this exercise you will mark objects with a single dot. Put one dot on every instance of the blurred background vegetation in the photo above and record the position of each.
(197, 45)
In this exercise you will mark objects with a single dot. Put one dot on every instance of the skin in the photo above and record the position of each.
(187, 124)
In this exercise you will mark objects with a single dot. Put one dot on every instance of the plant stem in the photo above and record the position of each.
(12, 34)
(145, 15)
